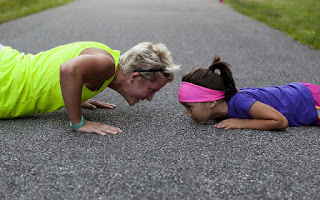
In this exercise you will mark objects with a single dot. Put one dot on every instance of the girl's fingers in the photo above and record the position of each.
(219, 125)
(224, 124)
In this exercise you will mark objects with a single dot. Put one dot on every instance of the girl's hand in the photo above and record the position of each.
(98, 128)
(94, 104)
(230, 124)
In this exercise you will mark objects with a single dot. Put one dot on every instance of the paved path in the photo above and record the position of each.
(161, 154)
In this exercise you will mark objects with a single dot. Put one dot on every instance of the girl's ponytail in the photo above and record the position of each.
(226, 75)
(208, 78)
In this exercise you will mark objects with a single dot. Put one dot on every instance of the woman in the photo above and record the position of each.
(69, 75)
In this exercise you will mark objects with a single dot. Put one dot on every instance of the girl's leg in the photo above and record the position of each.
(315, 91)
(1, 46)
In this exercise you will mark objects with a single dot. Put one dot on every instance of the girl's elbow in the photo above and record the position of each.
(283, 123)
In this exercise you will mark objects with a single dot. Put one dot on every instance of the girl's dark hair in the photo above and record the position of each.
(207, 77)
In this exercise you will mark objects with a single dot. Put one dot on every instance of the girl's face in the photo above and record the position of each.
(199, 112)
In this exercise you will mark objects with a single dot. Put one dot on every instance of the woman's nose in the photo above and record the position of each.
(150, 97)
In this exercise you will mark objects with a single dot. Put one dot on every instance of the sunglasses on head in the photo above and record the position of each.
(153, 70)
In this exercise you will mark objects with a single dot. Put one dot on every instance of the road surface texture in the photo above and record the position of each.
(161, 154)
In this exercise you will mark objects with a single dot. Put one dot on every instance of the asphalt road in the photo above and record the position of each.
(161, 154)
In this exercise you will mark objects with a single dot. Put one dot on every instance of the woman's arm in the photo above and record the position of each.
(265, 118)
(94, 104)
(85, 69)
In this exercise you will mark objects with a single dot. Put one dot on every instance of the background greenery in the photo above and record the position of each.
(298, 18)
(13, 9)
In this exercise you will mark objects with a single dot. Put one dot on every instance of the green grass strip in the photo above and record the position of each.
(298, 18)
(13, 9)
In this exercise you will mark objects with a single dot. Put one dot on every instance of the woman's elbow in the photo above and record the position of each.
(67, 72)
(64, 69)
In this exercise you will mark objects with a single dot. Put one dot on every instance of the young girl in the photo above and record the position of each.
(206, 94)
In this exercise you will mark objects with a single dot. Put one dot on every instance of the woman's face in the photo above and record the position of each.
(141, 89)
(199, 112)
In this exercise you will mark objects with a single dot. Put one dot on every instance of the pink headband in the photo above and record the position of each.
(192, 93)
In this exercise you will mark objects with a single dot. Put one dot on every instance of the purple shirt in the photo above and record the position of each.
(293, 100)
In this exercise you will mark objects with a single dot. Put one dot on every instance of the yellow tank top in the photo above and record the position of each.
(30, 83)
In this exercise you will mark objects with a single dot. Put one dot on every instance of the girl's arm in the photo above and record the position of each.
(265, 118)
(85, 69)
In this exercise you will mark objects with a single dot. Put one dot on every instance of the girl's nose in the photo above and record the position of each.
(188, 113)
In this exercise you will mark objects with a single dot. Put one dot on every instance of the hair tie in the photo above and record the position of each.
(212, 68)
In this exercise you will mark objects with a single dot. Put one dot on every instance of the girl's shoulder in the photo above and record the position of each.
(239, 104)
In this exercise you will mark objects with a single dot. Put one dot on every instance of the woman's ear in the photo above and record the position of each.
(133, 76)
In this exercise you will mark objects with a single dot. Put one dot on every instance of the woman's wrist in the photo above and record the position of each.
(81, 124)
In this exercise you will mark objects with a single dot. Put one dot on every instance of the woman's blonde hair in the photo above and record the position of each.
(153, 61)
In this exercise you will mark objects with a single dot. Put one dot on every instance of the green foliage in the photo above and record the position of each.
(13, 9)
(298, 18)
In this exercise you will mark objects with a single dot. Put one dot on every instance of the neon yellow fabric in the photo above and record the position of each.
(30, 83)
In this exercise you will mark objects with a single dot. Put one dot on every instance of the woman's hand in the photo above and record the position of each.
(98, 128)
(94, 104)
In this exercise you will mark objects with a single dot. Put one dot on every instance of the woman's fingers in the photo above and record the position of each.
(105, 105)
(88, 105)
(93, 104)
(98, 128)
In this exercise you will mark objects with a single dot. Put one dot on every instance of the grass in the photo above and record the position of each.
(298, 18)
(13, 9)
